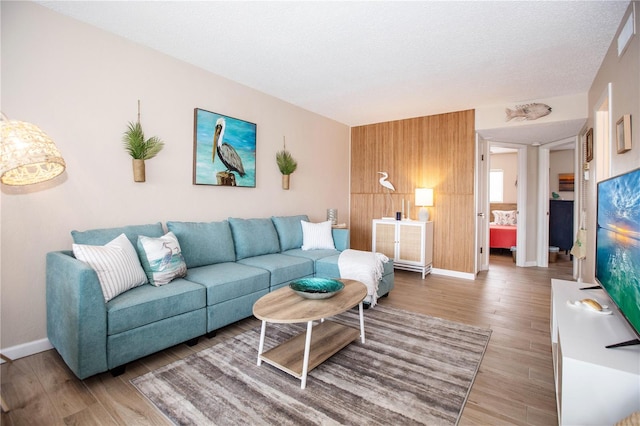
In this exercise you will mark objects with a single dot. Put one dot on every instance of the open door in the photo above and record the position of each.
(482, 204)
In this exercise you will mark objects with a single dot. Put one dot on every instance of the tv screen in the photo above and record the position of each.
(618, 243)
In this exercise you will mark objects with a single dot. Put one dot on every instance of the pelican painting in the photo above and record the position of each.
(224, 150)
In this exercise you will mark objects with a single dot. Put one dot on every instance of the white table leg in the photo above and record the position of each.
(263, 330)
(360, 307)
(307, 349)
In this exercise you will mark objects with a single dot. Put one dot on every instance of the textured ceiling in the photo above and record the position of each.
(367, 62)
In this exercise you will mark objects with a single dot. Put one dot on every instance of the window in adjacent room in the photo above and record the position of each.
(496, 185)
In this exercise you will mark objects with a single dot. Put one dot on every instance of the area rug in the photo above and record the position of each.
(412, 369)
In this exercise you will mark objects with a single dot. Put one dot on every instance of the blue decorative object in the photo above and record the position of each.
(316, 288)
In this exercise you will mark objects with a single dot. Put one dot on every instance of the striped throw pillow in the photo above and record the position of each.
(116, 264)
(316, 236)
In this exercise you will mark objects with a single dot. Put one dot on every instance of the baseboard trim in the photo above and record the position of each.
(26, 349)
(456, 274)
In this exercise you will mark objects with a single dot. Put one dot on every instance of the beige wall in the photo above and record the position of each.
(567, 107)
(81, 86)
(560, 162)
(624, 75)
(508, 163)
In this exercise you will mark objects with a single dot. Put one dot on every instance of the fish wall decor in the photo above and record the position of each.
(528, 112)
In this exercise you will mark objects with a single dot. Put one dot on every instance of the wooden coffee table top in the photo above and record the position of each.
(285, 306)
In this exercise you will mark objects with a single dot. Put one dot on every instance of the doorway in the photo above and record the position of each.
(548, 181)
(532, 140)
(517, 178)
(503, 202)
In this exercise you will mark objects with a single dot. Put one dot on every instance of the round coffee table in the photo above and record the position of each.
(302, 353)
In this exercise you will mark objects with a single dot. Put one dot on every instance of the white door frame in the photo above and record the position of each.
(482, 205)
(521, 201)
(542, 257)
(521, 240)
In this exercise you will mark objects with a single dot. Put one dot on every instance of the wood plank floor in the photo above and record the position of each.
(514, 385)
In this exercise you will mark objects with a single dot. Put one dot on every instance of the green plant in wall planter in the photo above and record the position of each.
(139, 148)
(287, 165)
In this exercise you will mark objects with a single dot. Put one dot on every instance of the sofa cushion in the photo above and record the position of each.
(227, 281)
(327, 267)
(283, 268)
(313, 255)
(254, 237)
(147, 304)
(116, 264)
(161, 258)
(204, 243)
(103, 236)
(289, 230)
(317, 236)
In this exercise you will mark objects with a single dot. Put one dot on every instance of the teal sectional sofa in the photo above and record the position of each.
(230, 264)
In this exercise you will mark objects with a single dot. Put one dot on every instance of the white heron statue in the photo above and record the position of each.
(384, 182)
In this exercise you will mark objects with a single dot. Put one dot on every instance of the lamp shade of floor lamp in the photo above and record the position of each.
(424, 199)
(27, 154)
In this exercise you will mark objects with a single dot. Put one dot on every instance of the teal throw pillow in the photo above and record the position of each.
(289, 230)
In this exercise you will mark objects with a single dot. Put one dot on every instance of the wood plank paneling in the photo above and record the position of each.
(434, 152)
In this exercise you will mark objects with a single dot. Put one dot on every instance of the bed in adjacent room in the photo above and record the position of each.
(503, 226)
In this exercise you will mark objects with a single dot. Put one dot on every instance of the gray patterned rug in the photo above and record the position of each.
(413, 369)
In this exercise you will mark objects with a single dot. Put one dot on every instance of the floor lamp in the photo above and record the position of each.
(27, 156)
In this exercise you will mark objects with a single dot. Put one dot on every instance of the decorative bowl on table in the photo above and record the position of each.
(316, 288)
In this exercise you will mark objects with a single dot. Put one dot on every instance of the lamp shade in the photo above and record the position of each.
(424, 197)
(27, 154)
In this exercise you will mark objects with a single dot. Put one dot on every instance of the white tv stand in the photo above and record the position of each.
(594, 385)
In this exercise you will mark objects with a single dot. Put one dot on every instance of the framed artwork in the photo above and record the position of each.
(565, 182)
(623, 133)
(224, 150)
(589, 140)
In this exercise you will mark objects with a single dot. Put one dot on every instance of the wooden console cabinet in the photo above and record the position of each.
(594, 385)
(409, 243)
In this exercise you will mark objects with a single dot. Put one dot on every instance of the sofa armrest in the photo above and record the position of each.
(76, 314)
(341, 238)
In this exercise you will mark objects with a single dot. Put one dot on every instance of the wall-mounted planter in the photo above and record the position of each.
(286, 164)
(139, 148)
(138, 170)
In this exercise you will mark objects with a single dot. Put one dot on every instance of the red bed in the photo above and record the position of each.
(502, 236)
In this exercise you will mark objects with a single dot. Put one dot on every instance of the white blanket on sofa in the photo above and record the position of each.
(363, 266)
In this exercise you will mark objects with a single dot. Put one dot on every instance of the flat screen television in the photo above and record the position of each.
(618, 245)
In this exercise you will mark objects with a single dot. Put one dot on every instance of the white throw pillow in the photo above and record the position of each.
(317, 236)
(162, 258)
(505, 217)
(116, 264)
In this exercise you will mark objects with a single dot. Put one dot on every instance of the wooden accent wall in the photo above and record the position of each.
(432, 152)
